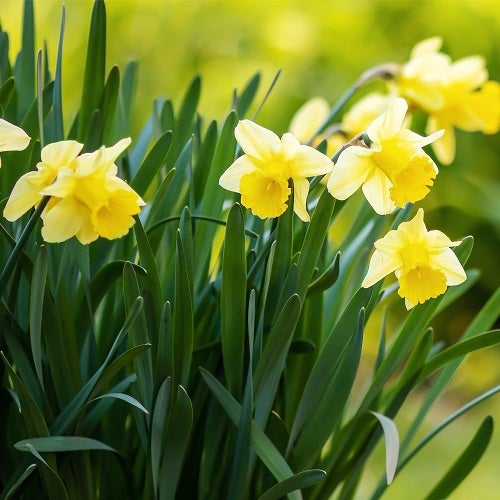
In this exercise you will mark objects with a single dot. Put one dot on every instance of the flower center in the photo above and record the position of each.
(265, 196)
(421, 283)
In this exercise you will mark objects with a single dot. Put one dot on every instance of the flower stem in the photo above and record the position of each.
(382, 71)
(16, 252)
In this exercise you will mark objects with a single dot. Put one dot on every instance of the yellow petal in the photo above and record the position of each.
(390, 123)
(414, 230)
(24, 195)
(381, 265)
(64, 184)
(60, 154)
(114, 219)
(470, 72)
(426, 47)
(377, 190)
(64, 220)
(308, 162)
(352, 168)
(255, 140)
(12, 137)
(308, 118)
(444, 147)
(231, 178)
(300, 192)
(362, 114)
(451, 267)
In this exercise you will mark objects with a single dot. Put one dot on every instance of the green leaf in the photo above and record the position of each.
(152, 289)
(20, 480)
(55, 131)
(243, 102)
(67, 416)
(37, 292)
(183, 318)
(176, 442)
(124, 397)
(264, 448)
(233, 300)
(108, 104)
(313, 241)
(336, 390)
(24, 69)
(138, 333)
(95, 66)
(61, 444)
(294, 483)
(465, 463)
(327, 278)
(273, 357)
(459, 351)
(391, 437)
(159, 423)
(328, 361)
(152, 164)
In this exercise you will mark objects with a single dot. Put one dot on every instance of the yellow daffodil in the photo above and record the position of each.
(89, 201)
(27, 190)
(12, 138)
(454, 94)
(393, 171)
(422, 261)
(261, 175)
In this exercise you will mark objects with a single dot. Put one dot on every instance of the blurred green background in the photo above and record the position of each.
(321, 47)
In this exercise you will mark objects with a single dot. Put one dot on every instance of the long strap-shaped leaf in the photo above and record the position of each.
(263, 446)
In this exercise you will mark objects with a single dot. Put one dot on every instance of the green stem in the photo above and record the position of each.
(382, 71)
(16, 252)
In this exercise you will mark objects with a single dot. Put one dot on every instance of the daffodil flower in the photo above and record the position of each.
(12, 138)
(454, 94)
(27, 191)
(261, 175)
(89, 200)
(393, 171)
(422, 261)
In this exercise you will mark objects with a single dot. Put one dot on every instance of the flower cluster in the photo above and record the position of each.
(383, 157)
(87, 198)
(453, 94)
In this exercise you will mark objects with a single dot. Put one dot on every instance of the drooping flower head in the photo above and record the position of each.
(12, 137)
(88, 200)
(454, 94)
(422, 261)
(261, 175)
(393, 170)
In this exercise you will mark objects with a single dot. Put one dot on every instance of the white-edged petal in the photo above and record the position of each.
(61, 153)
(231, 178)
(426, 47)
(308, 162)
(377, 190)
(12, 137)
(350, 171)
(390, 123)
(256, 140)
(300, 192)
(308, 118)
(444, 147)
(448, 263)
(381, 265)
